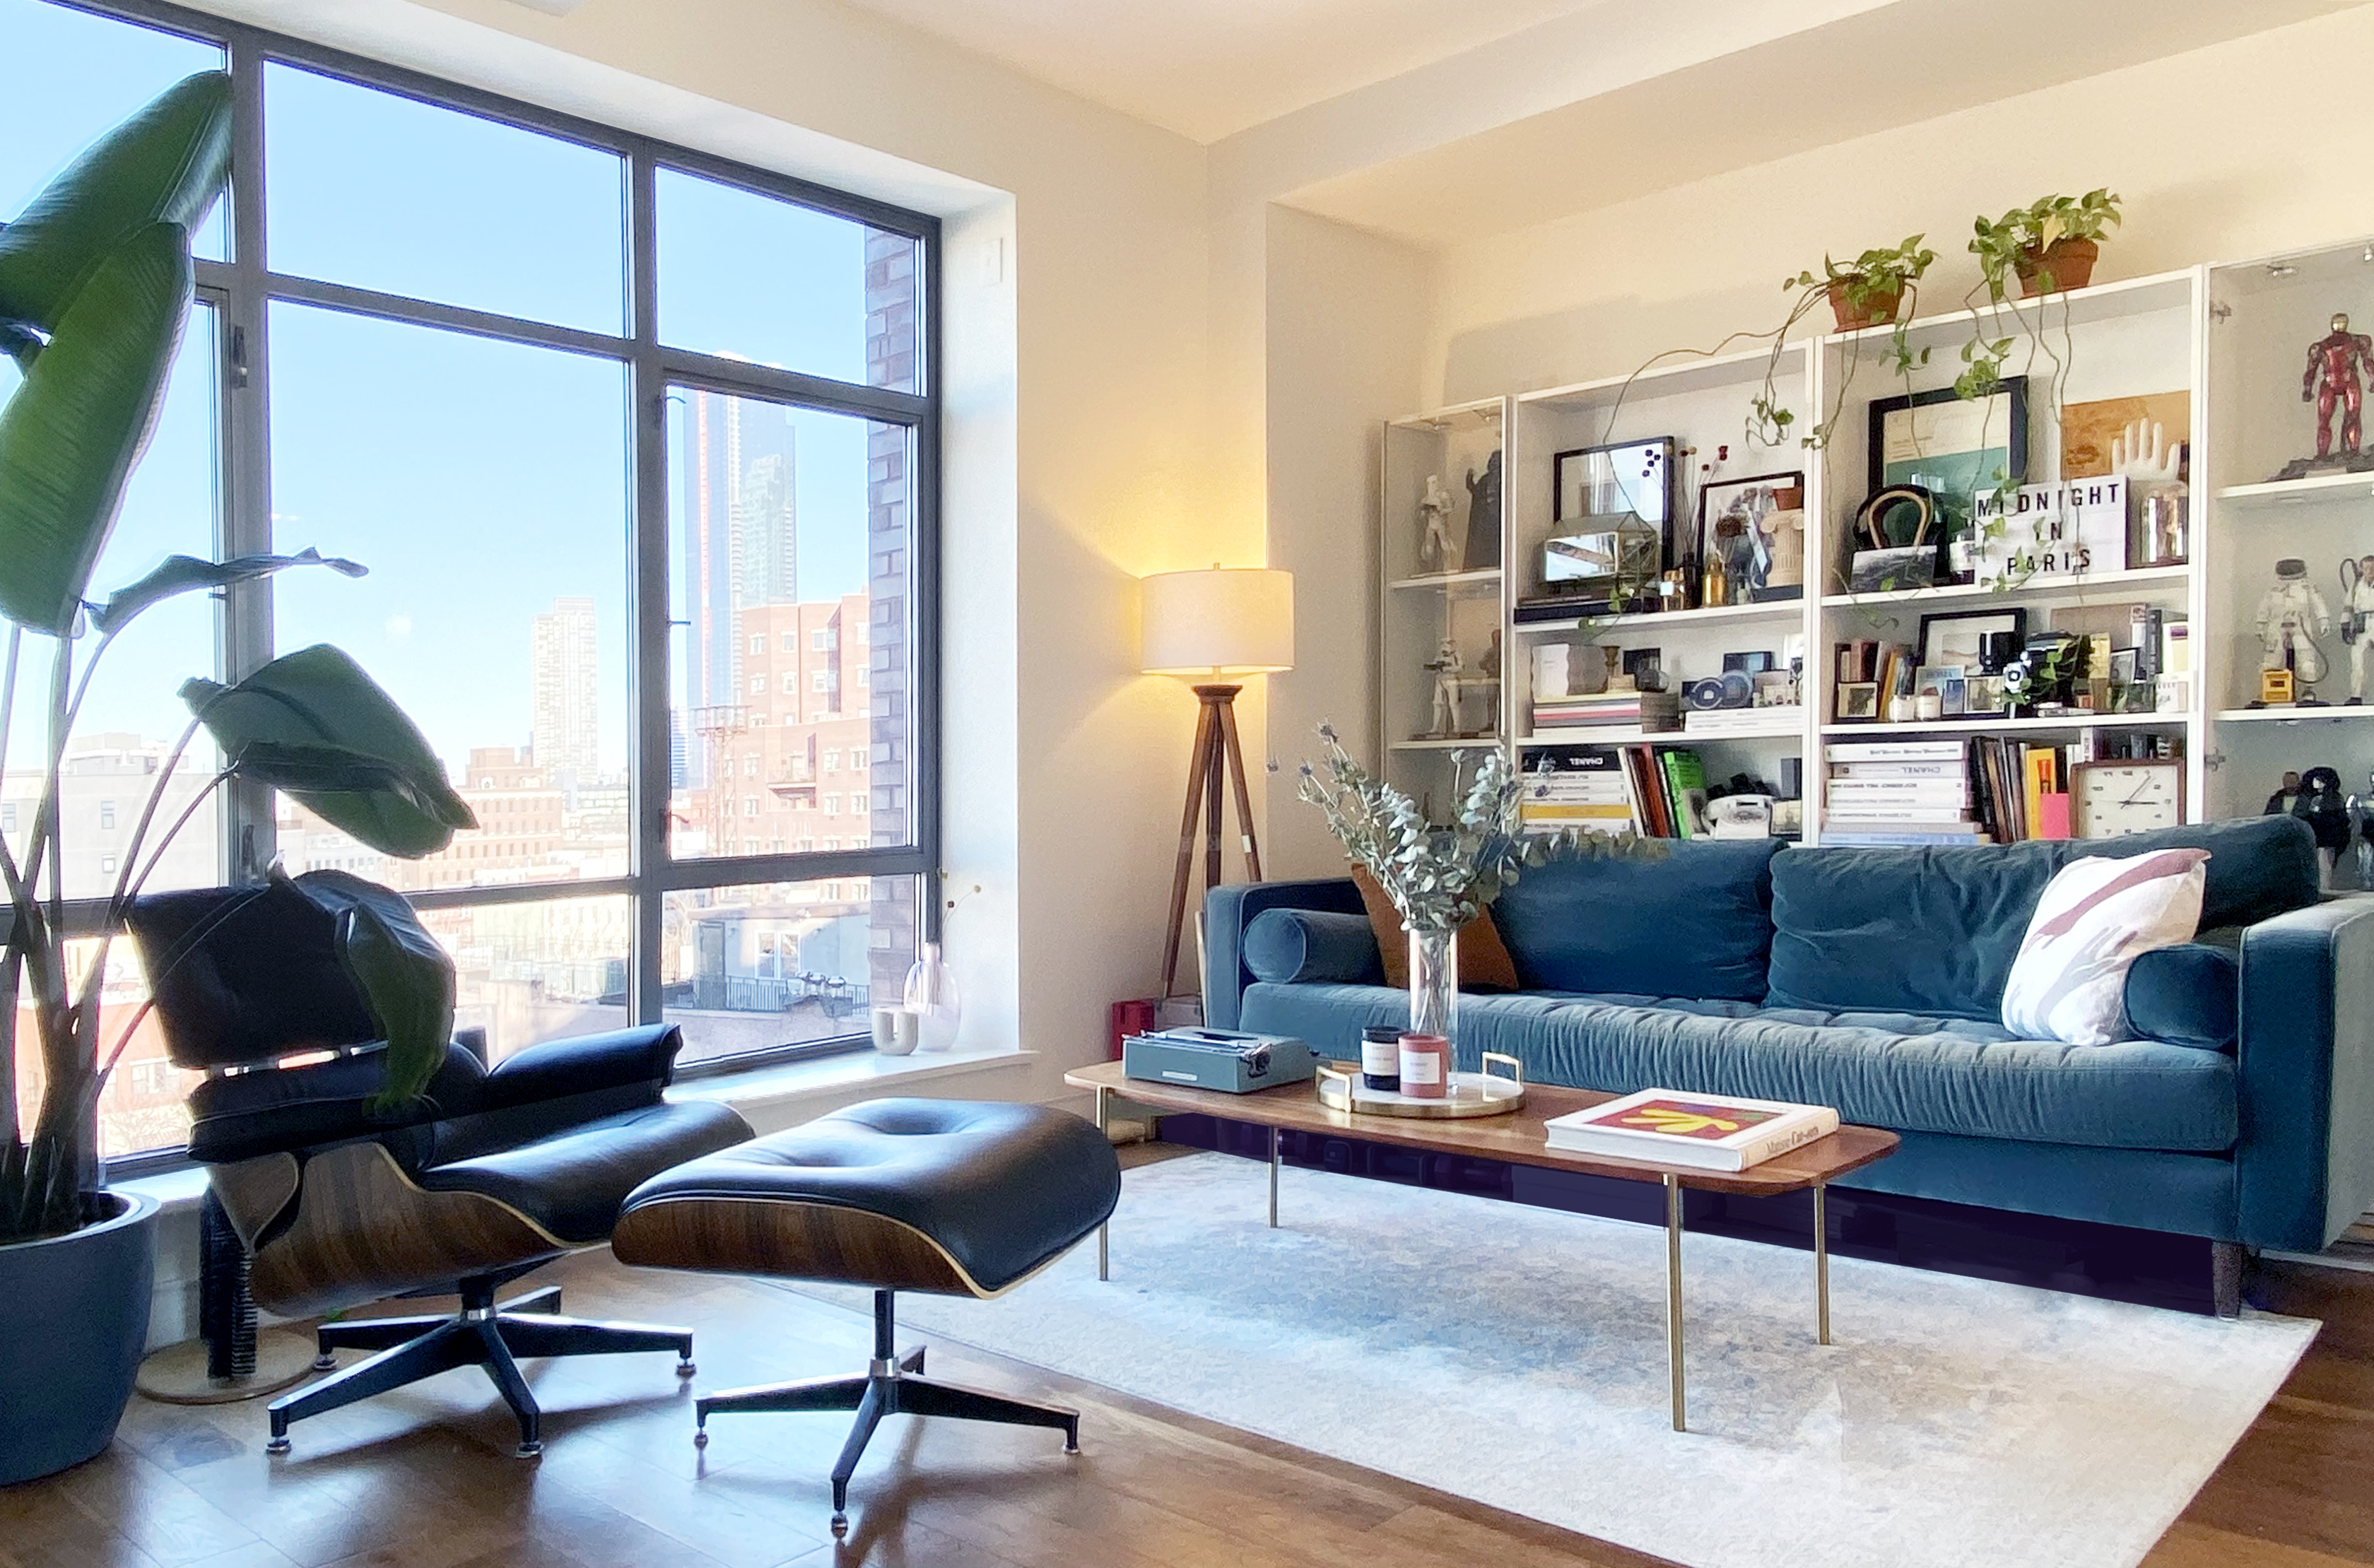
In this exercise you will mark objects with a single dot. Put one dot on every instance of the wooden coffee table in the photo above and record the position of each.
(1517, 1139)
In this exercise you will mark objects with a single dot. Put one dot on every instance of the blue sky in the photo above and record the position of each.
(479, 480)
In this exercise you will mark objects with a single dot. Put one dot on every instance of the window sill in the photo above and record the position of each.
(765, 1094)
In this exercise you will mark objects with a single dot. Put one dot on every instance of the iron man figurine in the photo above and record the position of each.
(2331, 378)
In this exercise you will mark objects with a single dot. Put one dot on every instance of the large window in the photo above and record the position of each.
(639, 449)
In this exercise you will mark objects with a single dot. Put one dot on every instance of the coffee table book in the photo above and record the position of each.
(1709, 1132)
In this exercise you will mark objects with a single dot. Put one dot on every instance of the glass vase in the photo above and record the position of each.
(931, 996)
(1434, 983)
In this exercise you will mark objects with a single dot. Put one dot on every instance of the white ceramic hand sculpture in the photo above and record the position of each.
(2143, 452)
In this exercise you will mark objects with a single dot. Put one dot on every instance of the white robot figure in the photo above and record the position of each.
(2358, 621)
(1446, 665)
(1434, 511)
(2292, 615)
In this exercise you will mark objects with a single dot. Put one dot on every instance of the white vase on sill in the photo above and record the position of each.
(931, 994)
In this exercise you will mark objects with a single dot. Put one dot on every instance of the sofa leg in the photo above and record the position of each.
(2226, 1261)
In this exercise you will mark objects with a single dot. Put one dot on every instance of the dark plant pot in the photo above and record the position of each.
(1878, 310)
(2070, 262)
(77, 1323)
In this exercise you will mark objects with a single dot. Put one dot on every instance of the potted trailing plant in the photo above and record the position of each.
(1440, 878)
(95, 282)
(2049, 245)
(1872, 289)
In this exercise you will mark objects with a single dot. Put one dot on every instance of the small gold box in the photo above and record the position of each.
(2277, 687)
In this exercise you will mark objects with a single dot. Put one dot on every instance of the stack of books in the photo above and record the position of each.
(1715, 1132)
(1581, 786)
(1900, 792)
(1610, 710)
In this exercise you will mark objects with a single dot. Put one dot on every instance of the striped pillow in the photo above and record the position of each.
(2069, 982)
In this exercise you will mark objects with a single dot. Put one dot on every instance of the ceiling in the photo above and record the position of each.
(1208, 69)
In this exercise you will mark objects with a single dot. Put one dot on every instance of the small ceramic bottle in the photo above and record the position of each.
(1380, 1058)
(1426, 1067)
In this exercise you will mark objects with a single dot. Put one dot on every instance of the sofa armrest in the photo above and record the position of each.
(2305, 1165)
(1228, 910)
(584, 1063)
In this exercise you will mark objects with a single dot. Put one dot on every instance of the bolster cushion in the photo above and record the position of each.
(1314, 946)
(2187, 995)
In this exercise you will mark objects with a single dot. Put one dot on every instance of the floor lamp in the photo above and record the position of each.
(1207, 627)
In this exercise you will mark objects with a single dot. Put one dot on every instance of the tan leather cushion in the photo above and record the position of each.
(1484, 961)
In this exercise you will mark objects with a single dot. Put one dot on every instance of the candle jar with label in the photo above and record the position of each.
(1380, 1058)
(1426, 1066)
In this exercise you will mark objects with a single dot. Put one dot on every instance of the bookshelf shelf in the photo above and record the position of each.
(1778, 610)
(2007, 726)
(1446, 579)
(2335, 714)
(1790, 729)
(2297, 492)
(2108, 585)
(1471, 743)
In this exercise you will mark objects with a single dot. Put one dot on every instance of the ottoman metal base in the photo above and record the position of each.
(893, 1385)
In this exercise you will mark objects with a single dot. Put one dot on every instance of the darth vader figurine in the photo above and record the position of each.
(2327, 814)
(2361, 821)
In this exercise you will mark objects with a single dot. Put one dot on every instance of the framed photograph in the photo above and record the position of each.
(1952, 693)
(1858, 701)
(1630, 477)
(1951, 448)
(1952, 636)
(1982, 696)
(2123, 667)
(1728, 513)
(1929, 678)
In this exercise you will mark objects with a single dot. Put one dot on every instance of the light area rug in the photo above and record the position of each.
(1516, 1356)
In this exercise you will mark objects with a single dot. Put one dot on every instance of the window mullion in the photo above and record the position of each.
(647, 527)
(246, 622)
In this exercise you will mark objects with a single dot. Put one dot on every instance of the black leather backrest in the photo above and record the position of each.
(245, 974)
(291, 1108)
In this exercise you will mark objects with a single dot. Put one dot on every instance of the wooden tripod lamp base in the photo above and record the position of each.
(1208, 625)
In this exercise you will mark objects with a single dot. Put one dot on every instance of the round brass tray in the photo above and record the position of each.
(1471, 1093)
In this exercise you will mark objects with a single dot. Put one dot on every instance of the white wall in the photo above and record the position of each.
(2214, 152)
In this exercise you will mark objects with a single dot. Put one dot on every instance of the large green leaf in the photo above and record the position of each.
(176, 575)
(71, 434)
(405, 978)
(166, 164)
(317, 708)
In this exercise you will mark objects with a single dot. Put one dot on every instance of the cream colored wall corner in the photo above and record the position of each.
(1075, 356)
(2213, 151)
(1342, 354)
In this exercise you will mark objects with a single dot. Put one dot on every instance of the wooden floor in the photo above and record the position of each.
(424, 1478)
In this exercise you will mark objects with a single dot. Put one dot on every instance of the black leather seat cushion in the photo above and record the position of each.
(574, 1183)
(1003, 1188)
(271, 1109)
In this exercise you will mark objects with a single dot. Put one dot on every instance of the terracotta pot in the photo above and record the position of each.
(2070, 262)
(1878, 310)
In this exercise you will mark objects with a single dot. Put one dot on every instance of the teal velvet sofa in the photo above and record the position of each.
(1872, 979)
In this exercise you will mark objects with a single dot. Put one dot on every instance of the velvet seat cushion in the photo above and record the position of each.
(1902, 1070)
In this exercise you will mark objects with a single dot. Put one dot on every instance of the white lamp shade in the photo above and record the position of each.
(1221, 622)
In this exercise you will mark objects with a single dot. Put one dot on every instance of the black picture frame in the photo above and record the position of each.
(1953, 477)
(1727, 490)
(2011, 619)
(1603, 479)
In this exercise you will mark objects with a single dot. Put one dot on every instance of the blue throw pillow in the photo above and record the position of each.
(1929, 931)
(1693, 922)
(2186, 996)
(1312, 947)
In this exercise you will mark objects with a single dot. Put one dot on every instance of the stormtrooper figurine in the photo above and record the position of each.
(1446, 665)
(1434, 511)
(2291, 616)
(2358, 621)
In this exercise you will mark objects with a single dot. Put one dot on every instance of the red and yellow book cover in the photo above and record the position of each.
(1708, 1120)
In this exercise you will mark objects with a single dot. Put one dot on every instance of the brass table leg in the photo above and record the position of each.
(1104, 1261)
(1272, 1179)
(1821, 1264)
(1674, 1296)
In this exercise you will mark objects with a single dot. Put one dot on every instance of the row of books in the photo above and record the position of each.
(1656, 791)
(1989, 788)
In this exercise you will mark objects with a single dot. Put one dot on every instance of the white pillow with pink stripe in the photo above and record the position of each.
(2099, 915)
